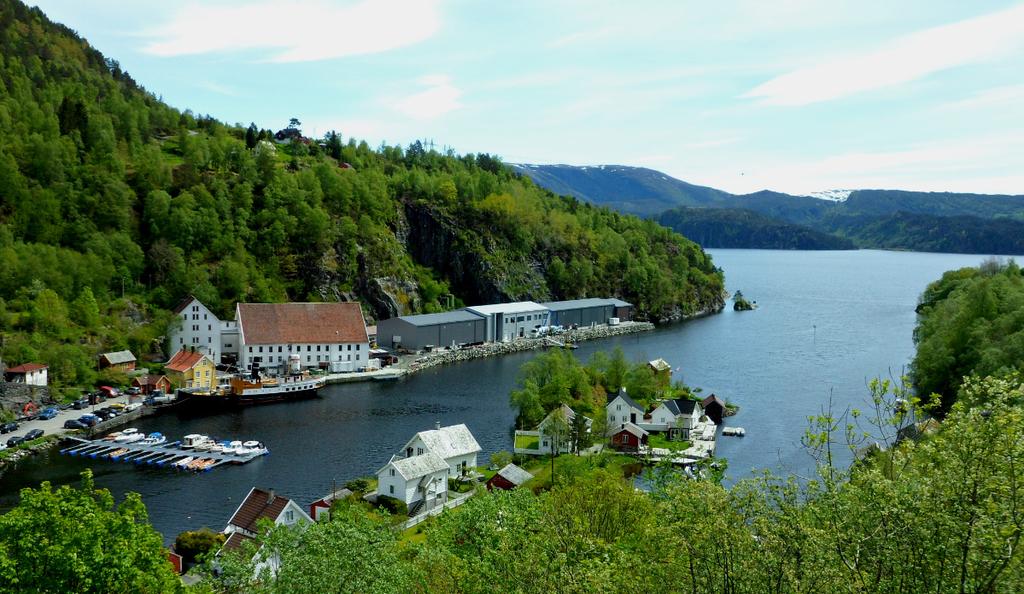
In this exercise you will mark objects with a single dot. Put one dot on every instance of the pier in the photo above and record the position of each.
(166, 454)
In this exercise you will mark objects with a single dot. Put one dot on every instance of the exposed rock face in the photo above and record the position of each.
(14, 396)
(390, 297)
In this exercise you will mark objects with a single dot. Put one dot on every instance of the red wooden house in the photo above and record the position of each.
(629, 438)
(508, 478)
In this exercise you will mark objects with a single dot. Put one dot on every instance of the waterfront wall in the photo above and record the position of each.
(504, 348)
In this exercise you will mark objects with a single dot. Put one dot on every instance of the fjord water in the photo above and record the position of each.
(827, 323)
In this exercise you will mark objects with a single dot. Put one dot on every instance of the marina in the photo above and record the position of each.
(197, 453)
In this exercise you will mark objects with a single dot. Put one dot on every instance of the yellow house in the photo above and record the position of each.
(191, 369)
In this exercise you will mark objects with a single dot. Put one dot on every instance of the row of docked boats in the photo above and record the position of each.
(203, 443)
(133, 435)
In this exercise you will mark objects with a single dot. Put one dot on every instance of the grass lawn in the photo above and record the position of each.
(24, 446)
(528, 442)
(657, 440)
(568, 464)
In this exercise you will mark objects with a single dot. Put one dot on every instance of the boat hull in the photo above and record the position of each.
(253, 397)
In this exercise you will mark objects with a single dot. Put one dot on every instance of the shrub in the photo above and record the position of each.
(392, 506)
(192, 544)
(359, 485)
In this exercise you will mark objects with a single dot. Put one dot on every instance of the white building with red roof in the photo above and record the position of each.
(319, 335)
(33, 374)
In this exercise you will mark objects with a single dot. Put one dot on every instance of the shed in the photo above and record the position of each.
(628, 438)
(123, 360)
(33, 374)
(148, 383)
(438, 329)
(508, 478)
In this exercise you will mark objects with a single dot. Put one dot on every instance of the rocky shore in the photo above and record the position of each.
(447, 356)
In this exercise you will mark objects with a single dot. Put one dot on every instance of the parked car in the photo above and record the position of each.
(81, 403)
(34, 434)
(75, 424)
(133, 391)
(89, 420)
(15, 441)
(8, 427)
(49, 413)
(133, 406)
(116, 406)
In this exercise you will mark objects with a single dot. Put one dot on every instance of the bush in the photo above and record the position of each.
(193, 544)
(392, 506)
(359, 485)
(500, 459)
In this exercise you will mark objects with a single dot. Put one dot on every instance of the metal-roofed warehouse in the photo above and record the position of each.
(586, 312)
(440, 329)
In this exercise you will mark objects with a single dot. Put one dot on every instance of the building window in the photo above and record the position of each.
(357, 347)
(391, 489)
(309, 348)
(290, 515)
(209, 327)
(261, 349)
(318, 348)
(204, 317)
(349, 347)
(357, 357)
(318, 358)
(419, 451)
(181, 341)
(250, 348)
(280, 349)
(392, 472)
(209, 339)
(309, 358)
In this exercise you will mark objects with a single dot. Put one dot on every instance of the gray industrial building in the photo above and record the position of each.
(440, 329)
(588, 312)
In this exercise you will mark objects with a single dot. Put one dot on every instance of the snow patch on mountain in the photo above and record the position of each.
(833, 195)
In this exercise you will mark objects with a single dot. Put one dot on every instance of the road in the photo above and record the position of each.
(55, 426)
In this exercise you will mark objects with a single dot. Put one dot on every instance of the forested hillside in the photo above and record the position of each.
(741, 228)
(892, 219)
(114, 205)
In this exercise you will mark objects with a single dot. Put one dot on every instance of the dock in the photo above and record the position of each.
(170, 454)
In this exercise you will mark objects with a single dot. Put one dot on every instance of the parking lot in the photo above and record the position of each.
(55, 426)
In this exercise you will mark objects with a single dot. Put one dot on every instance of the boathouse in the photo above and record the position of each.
(508, 478)
(33, 374)
(714, 408)
(438, 329)
(309, 335)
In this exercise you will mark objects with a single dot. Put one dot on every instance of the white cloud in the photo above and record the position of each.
(900, 60)
(439, 98)
(581, 37)
(1009, 95)
(987, 164)
(296, 30)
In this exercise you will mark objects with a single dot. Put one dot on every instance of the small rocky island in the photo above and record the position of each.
(740, 303)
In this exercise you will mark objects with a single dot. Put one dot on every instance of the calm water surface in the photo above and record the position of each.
(827, 323)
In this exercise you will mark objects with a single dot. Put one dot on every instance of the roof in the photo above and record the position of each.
(631, 428)
(289, 323)
(415, 467)
(514, 474)
(235, 541)
(620, 302)
(448, 442)
(258, 504)
(26, 368)
(681, 406)
(448, 317)
(622, 394)
(507, 308)
(712, 398)
(660, 365)
(118, 357)
(578, 304)
(188, 299)
(184, 360)
(149, 380)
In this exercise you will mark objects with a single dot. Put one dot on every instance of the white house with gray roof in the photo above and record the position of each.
(454, 444)
(622, 409)
(415, 479)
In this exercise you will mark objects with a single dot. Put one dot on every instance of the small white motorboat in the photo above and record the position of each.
(190, 440)
(253, 445)
(155, 438)
(184, 462)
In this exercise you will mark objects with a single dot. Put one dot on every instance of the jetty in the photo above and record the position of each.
(171, 454)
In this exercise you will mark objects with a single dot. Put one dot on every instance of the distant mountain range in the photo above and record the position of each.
(840, 219)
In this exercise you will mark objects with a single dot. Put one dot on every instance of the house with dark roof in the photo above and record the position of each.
(147, 384)
(321, 335)
(261, 505)
(33, 374)
(622, 409)
(508, 478)
(674, 417)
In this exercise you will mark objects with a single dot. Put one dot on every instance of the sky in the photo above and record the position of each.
(796, 96)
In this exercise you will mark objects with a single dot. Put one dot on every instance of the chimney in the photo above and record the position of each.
(270, 496)
(437, 424)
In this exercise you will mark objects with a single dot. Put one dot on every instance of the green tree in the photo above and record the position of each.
(86, 311)
(76, 540)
